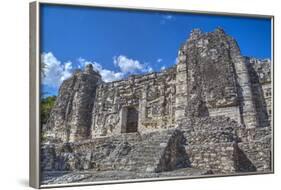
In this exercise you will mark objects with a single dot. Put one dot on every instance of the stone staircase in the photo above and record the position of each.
(151, 153)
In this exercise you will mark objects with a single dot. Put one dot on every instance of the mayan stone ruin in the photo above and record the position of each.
(208, 114)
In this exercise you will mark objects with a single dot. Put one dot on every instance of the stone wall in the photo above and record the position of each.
(260, 74)
(152, 95)
(211, 143)
(181, 84)
(222, 145)
(259, 153)
(218, 158)
(256, 145)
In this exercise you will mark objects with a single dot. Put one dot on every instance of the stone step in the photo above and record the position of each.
(146, 153)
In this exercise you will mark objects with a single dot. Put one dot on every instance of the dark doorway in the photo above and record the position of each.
(132, 120)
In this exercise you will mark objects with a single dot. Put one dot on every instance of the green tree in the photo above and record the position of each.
(47, 104)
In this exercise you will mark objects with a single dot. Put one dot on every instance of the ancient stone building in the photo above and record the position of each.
(211, 111)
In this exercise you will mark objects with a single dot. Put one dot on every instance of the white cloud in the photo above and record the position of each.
(83, 62)
(131, 66)
(149, 69)
(54, 71)
(166, 18)
(128, 65)
(107, 75)
(159, 60)
(162, 68)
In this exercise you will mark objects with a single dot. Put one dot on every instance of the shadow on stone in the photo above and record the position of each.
(244, 164)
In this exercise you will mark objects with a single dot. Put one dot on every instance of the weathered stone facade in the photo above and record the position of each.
(211, 111)
(151, 95)
(70, 119)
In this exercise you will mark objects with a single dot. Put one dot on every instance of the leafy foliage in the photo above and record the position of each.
(47, 104)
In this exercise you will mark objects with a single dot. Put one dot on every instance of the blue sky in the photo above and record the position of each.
(122, 42)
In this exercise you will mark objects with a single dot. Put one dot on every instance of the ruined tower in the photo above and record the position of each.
(70, 119)
(213, 79)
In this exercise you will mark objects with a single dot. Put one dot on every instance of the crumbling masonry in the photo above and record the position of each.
(211, 112)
